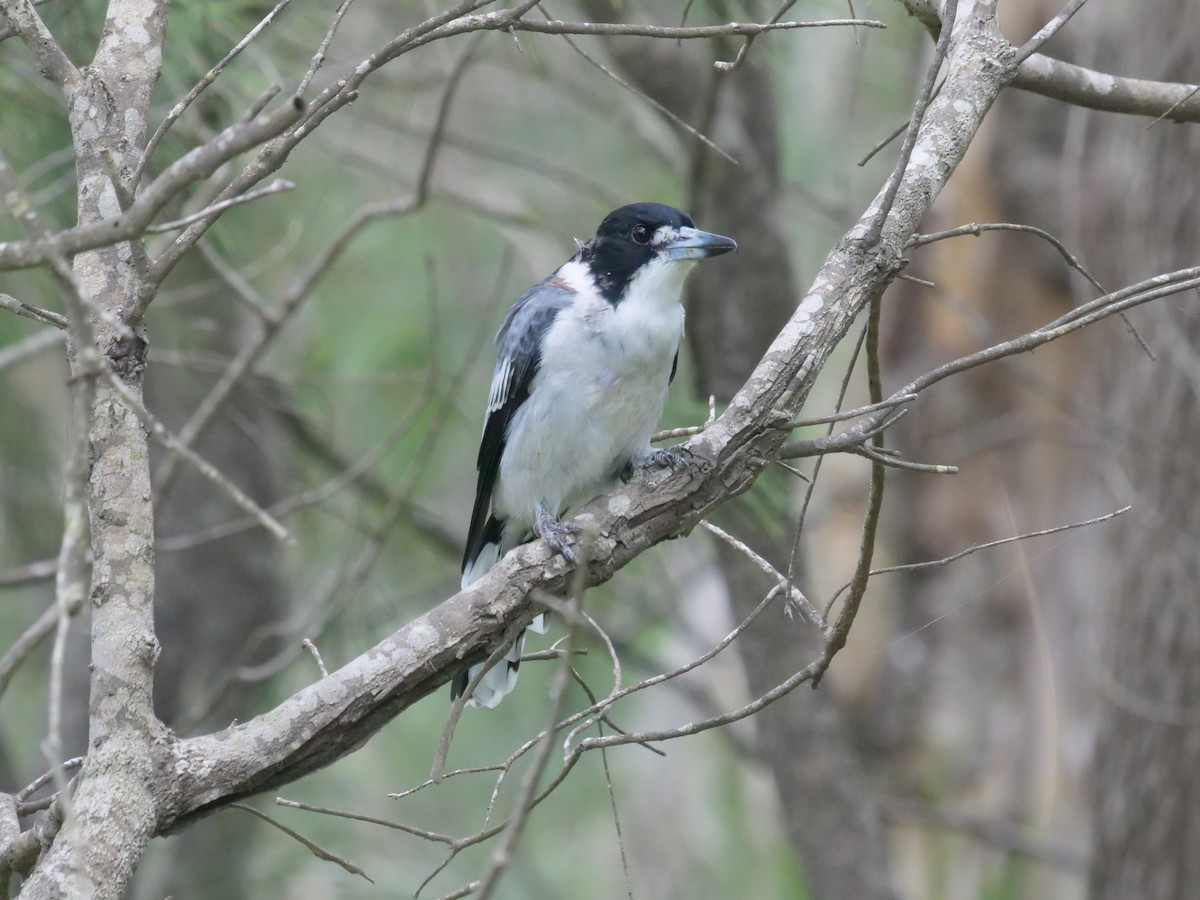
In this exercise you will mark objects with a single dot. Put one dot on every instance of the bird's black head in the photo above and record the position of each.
(637, 235)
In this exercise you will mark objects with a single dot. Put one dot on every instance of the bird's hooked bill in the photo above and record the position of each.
(693, 243)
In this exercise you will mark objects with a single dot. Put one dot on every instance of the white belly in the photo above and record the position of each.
(593, 406)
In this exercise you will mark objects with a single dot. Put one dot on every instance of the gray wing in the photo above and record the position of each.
(517, 362)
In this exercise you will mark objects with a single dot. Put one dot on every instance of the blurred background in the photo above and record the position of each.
(1022, 723)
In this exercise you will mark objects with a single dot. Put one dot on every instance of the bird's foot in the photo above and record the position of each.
(555, 533)
(664, 458)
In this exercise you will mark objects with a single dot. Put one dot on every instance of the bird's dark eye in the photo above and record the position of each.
(641, 234)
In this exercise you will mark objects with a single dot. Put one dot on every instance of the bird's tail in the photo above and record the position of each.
(502, 677)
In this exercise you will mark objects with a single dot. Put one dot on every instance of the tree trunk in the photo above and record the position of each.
(1145, 802)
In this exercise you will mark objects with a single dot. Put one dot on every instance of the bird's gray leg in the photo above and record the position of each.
(554, 532)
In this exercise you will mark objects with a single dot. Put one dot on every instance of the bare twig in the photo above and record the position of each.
(30, 639)
(946, 560)
(203, 466)
(835, 639)
(316, 655)
(30, 573)
(924, 98)
(316, 849)
(1156, 288)
(1174, 106)
(896, 462)
(794, 553)
(795, 597)
(199, 163)
(723, 66)
(671, 116)
(889, 403)
(1047, 31)
(45, 778)
(318, 59)
(23, 19)
(278, 186)
(386, 823)
(978, 228)
(45, 316)
(209, 77)
(691, 32)
(496, 657)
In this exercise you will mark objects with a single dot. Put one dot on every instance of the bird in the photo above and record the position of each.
(583, 365)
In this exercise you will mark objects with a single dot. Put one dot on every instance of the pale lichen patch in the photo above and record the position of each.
(619, 504)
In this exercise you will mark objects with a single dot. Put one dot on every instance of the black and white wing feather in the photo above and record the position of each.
(519, 357)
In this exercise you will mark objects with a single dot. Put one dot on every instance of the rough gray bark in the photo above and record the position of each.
(1145, 802)
(116, 803)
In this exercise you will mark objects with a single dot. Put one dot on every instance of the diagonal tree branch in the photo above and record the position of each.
(23, 20)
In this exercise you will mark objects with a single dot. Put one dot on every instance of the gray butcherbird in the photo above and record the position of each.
(580, 381)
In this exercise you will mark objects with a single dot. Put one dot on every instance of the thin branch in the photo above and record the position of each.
(45, 778)
(1156, 288)
(30, 639)
(433, 836)
(671, 116)
(795, 597)
(197, 89)
(954, 557)
(1047, 31)
(847, 440)
(723, 66)
(896, 462)
(810, 489)
(23, 19)
(316, 849)
(316, 655)
(836, 638)
(495, 658)
(319, 57)
(30, 573)
(977, 228)
(465, 891)
(203, 466)
(45, 316)
(924, 98)
(278, 186)
(1174, 106)
(889, 403)
(199, 163)
(690, 32)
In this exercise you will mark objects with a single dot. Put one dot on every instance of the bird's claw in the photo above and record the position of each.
(556, 534)
(658, 458)
(666, 458)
